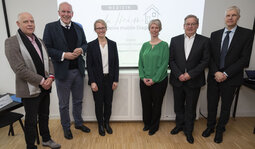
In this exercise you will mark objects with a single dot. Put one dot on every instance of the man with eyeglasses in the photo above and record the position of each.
(230, 54)
(189, 56)
(66, 44)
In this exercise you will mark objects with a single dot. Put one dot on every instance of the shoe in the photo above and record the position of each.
(145, 128)
(101, 130)
(83, 128)
(176, 130)
(108, 128)
(218, 137)
(68, 134)
(51, 144)
(207, 132)
(152, 132)
(190, 138)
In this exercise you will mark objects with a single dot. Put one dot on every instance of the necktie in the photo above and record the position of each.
(67, 27)
(224, 50)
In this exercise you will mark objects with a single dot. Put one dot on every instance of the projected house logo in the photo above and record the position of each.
(151, 13)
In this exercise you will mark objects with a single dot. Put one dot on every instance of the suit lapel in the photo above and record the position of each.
(182, 49)
(98, 51)
(79, 40)
(60, 32)
(194, 46)
(109, 52)
(218, 45)
(234, 40)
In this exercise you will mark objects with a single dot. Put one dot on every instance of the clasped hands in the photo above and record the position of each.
(95, 88)
(220, 77)
(148, 82)
(47, 83)
(73, 55)
(184, 77)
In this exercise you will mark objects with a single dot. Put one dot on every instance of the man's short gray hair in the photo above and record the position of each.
(233, 8)
(65, 3)
(191, 16)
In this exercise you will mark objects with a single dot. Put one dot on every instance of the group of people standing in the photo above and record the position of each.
(226, 53)
(64, 47)
(61, 57)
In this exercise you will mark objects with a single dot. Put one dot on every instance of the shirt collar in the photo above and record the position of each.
(64, 25)
(232, 30)
(31, 39)
(193, 36)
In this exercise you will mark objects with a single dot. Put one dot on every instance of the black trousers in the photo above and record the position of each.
(214, 92)
(103, 100)
(185, 104)
(36, 108)
(152, 98)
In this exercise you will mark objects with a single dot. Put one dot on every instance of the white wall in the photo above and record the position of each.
(126, 104)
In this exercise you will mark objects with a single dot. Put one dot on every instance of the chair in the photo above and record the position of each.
(11, 117)
(8, 119)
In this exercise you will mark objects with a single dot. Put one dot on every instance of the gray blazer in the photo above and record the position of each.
(22, 74)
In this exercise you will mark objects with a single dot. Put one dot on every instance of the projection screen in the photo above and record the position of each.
(127, 21)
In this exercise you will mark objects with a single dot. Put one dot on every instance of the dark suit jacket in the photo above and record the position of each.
(56, 44)
(237, 58)
(94, 62)
(195, 64)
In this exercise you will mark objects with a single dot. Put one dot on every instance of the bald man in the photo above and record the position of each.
(33, 69)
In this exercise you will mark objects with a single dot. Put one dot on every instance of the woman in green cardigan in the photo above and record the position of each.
(153, 64)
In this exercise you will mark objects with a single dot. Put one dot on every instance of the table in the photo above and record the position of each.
(13, 106)
(10, 107)
(247, 83)
(250, 85)
(8, 117)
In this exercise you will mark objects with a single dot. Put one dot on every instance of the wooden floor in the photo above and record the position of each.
(129, 135)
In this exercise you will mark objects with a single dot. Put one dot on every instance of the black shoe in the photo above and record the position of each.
(101, 130)
(207, 132)
(218, 137)
(68, 134)
(108, 128)
(190, 138)
(176, 130)
(145, 128)
(83, 128)
(152, 132)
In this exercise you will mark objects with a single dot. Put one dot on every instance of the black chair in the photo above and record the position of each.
(8, 119)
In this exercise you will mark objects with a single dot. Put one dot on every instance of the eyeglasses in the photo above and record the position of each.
(190, 24)
(100, 28)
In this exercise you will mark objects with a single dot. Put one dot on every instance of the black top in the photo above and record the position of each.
(71, 38)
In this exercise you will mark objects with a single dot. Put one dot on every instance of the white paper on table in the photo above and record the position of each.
(5, 100)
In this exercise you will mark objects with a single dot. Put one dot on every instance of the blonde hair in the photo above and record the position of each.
(100, 21)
